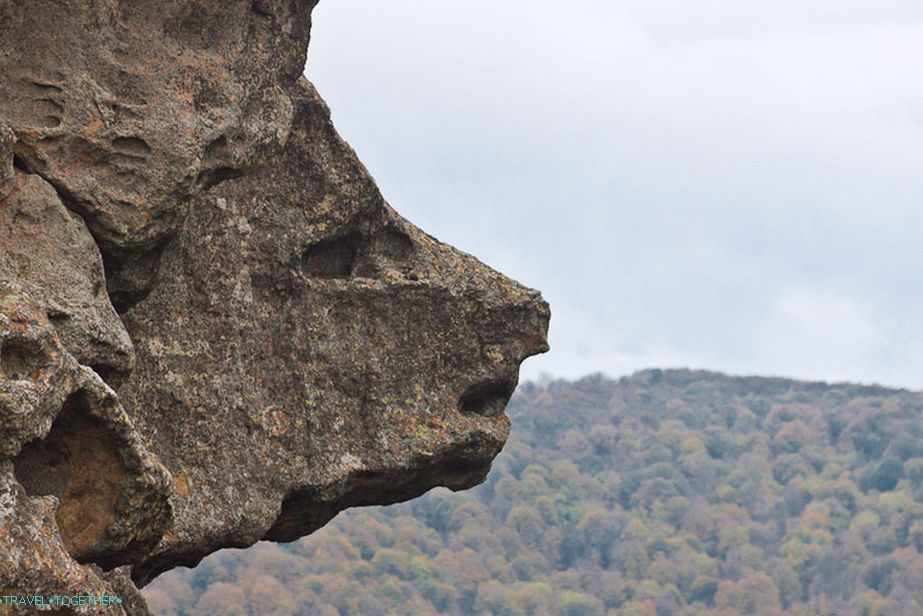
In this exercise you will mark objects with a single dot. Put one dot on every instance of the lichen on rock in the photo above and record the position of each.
(213, 328)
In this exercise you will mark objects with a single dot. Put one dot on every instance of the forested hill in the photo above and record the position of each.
(664, 493)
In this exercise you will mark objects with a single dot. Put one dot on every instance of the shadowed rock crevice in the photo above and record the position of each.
(131, 146)
(213, 177)
(368, 254)
(332, 258)
(488, 399)
(393, 245)
(130, 277)
(45, 248)
(20, 165)
(77, 463)
(20, 359)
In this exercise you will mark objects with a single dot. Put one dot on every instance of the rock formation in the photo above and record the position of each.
(213, 328)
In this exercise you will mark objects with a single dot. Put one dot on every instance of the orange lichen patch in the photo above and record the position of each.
(170, 536)
(22, 148)
(181, 481)
(39, 552)
(88, 505)
(92, 128)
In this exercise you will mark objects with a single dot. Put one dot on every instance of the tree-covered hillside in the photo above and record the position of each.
(666, 493)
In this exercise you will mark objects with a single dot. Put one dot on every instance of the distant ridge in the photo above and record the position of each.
(668, 492)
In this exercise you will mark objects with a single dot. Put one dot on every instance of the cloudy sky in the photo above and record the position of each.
(723, 184)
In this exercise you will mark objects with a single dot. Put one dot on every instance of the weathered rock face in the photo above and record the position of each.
(76, 483)
(133, 107)
(49, 252)
(288, 346)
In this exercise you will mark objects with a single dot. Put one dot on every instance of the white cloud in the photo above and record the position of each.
(687, 182)
(821, 333)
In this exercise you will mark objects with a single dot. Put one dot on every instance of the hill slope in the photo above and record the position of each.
(673, 493)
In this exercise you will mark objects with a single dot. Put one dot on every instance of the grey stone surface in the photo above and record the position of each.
(49, 252)
(213, 328)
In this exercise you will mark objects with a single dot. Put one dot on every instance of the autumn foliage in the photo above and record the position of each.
(668, 493)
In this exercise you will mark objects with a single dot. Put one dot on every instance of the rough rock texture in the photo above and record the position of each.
(133, 107)
(76, 483)
(285, 345)
(49, 251)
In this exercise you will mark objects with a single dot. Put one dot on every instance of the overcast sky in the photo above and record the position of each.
(724, 184)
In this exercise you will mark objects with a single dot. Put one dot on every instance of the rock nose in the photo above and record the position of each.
(514, 319)
(515, 328)
(490, 323)
(532, 316)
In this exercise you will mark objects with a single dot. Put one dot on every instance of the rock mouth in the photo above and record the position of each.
(488, 398)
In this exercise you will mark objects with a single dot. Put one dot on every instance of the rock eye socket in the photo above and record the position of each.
(20, 359)
(333, 258)
(393, 246)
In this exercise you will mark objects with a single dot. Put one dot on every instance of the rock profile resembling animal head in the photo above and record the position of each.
(283, 345)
